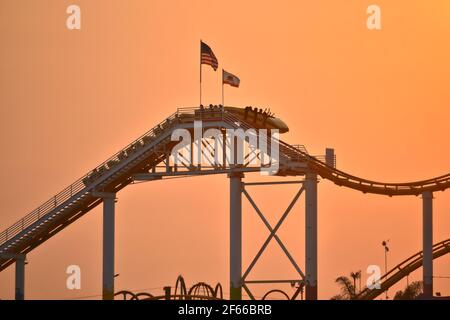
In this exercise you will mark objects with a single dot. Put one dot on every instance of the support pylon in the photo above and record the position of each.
(427, 201)
(20, 277)
(236, 236)
(311, 236)
(109, 200)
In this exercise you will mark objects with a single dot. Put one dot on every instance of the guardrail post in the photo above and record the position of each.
(427, 234)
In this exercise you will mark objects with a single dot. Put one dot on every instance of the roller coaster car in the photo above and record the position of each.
(211, 111)
(258, 118)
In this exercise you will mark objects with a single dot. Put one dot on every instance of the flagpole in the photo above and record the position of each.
(223, 99)
(223, 88)
(200, 72)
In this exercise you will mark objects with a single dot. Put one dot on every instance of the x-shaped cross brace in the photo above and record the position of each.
(273, 234)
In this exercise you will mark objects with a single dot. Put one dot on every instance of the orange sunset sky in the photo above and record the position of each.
(70, 99)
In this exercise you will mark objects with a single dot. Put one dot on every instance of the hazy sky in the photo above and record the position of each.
(70, 99)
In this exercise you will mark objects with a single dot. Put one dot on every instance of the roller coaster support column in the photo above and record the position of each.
(20, 277)
(109, 203)
(311, 235)
(427, 199)
(20, 260)
(236, 236)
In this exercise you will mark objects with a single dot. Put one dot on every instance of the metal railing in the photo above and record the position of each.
(182, 114)
(300, 147)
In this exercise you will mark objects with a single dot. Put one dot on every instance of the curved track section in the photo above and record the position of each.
(367, 186)
(403, 269)
(342, 178)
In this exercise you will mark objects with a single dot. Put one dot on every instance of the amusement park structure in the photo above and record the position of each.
(150, 158)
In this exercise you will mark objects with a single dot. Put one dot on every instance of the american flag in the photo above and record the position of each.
(207, 56)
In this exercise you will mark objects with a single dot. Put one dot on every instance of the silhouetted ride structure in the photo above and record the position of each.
(199, 291)
(151, 157)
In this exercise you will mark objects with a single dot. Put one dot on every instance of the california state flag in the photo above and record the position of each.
(231, 79)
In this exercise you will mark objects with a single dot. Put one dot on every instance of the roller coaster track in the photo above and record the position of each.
(341, 178)
(151, 149)
(402, 270)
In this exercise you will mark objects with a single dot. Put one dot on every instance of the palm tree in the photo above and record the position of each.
(355, 276)
(348, 291)
(411, 292)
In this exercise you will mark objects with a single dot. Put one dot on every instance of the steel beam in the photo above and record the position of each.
(311, 235)
(272, 183)
(236, 236)
(160, 175)
(293, 281)
(427, 225)
(108, 245)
